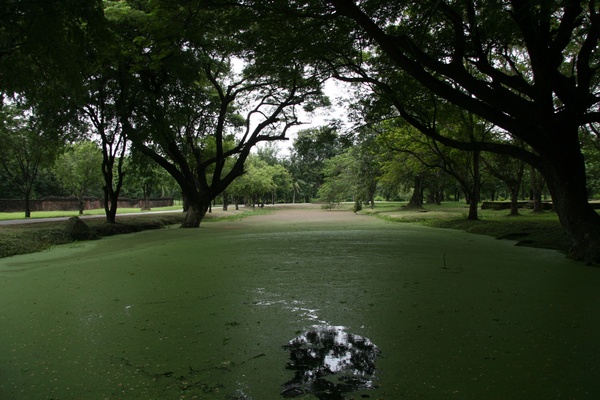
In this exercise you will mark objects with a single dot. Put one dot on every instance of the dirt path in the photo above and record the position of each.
(307, 213)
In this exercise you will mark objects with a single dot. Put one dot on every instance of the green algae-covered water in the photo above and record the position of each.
(299, 304)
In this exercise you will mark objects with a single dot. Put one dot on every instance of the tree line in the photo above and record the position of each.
(195, 86)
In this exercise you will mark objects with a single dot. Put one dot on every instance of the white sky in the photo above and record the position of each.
(338, 92)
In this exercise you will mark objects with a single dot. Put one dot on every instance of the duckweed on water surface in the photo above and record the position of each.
(207, 313)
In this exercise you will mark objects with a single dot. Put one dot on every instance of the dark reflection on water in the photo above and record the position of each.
(329, 362)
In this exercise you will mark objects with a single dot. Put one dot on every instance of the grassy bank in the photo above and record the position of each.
(528, 229)
(39, 236)
(5, 216)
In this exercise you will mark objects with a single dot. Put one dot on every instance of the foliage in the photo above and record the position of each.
(339, 184)
(353, 174)
(312, 147)
(182, 94)
(591, 151)
(145, 178)
(531, 70)
(41, 44)
(259, 179)
(26, 148)
(79, 170)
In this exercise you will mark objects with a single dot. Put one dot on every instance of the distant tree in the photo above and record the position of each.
(429, 155)
(255, 183)
(26, 148)
(146, 179)
(339, 182)
(79, 169)
(310, 150)
(268, 152)
(283, 182)
(367, 151)
(510, 171)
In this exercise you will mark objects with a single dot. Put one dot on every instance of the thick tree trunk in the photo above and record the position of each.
(195, 213)
(580, 221)
(110, 205)
(537, 184)
(416, 200)
(514, 201)
(225, 201)
(473, 214)
(146, 200)
(565, 176)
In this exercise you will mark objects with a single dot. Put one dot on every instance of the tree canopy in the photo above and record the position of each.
(531, 68)
(196, 85)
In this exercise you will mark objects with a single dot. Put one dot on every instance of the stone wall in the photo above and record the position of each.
(72, 204)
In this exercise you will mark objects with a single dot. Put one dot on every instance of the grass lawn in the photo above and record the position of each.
(4, 216)
(39, 236)
(528, 229)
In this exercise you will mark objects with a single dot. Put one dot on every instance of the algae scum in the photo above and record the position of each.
(349, 309)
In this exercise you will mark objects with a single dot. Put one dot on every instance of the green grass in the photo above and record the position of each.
(40, 236)
(4, 216)
(528, 229)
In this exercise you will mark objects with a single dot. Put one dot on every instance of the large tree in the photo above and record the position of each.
(186, 99)
(529, 67)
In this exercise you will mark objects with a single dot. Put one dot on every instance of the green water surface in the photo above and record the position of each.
(205, 313)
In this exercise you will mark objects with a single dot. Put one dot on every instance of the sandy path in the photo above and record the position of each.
(308, 213)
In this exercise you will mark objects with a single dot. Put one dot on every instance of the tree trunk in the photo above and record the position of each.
(110, 205)
(111, 188)
(27, 205)
(537, 185)
(416, 200)
(514, 201)
(565, 175)
(195, 213)
(476, 189)
(225, 201)
(146, 200)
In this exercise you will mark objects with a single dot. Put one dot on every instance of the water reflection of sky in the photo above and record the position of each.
(328, 362)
